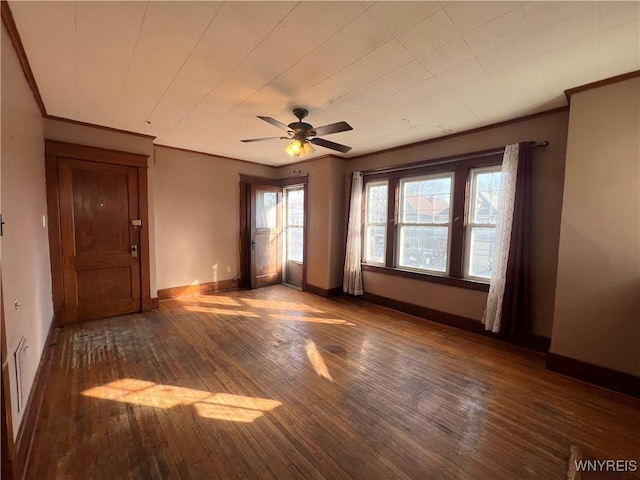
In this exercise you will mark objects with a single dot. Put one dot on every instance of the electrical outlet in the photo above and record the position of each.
(228, 268)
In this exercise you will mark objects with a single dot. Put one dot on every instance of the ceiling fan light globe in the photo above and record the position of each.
(289, 151)
(296, 146)
(308, 148)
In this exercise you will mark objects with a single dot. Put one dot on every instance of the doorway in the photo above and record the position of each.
(273, 239)
(98, 232)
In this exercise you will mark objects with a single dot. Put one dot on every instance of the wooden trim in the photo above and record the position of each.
(600, 83)
(12, 30)
(145, 253)
(100, 127)
(253, 179)
(459, 134)
(425, 277)
(532, 342)
(296, 180)
(219, 157)
(6, 421)
(55, 239)
(323, 292)
(275, 182)
(95, 154)
(33, 407)
(202, 288)
(457, 247)
(594, 374)
(478, 159)
(155, 303)
(393, 192)
(245, 229)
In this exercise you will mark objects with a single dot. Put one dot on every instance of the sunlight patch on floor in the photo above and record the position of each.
(211, 299)
(302, 318)
(219, 406)
(276, 305)
(317, 361)
(219, 311)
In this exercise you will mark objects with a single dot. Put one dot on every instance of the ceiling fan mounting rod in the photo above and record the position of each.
(300, 113)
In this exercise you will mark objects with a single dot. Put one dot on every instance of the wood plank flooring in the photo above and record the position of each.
(276, 383)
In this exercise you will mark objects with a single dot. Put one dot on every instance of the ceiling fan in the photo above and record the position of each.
(302, 134)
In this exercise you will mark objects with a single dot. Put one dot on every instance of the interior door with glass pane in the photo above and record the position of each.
(266, 235)
(294, 235)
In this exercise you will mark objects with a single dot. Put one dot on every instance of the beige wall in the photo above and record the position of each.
(548, 174)
(326, 226)
(97, 137)
(597, 310)
(197, 214)
(26, 276)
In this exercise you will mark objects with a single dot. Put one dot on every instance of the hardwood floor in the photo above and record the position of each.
(276, 383)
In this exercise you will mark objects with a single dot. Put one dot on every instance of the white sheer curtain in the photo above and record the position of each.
(493, 313)
(352, 280)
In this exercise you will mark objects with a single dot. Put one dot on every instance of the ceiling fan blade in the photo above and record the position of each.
(332, 145)
(263, 139)
(275, 122)
(333, 128)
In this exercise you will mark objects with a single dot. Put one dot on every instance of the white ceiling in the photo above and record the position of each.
(196, 74)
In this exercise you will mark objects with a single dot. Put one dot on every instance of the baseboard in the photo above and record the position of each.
(323, 292)
(594, 374)
(532, 342)
(155, 303)
(188, 290)
(33, 407)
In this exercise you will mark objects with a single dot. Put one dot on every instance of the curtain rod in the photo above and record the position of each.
(457, 158)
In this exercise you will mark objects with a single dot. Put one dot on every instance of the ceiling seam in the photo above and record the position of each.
(133, 53)
(181, 120)
(204, 31)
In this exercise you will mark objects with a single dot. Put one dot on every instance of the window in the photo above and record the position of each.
(481, 226)
(425, 222)
(435, 222)
(375, 230)
(294, 198)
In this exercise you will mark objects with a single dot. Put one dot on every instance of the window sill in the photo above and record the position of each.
(426, 277)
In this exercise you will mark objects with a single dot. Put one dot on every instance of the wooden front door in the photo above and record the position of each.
(100, 244)
(266, 235)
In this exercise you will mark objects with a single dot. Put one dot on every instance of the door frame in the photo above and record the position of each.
(55, 150)
(245, 221)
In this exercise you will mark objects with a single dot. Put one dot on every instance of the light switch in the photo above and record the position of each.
(44, 221)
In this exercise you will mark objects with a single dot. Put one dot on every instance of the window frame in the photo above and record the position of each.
(366, 223)
(292, 226)
(461, 168)
(469, 225)
(399, 223)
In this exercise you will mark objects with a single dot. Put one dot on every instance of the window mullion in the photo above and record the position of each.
(392, 222)
(456, 263)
